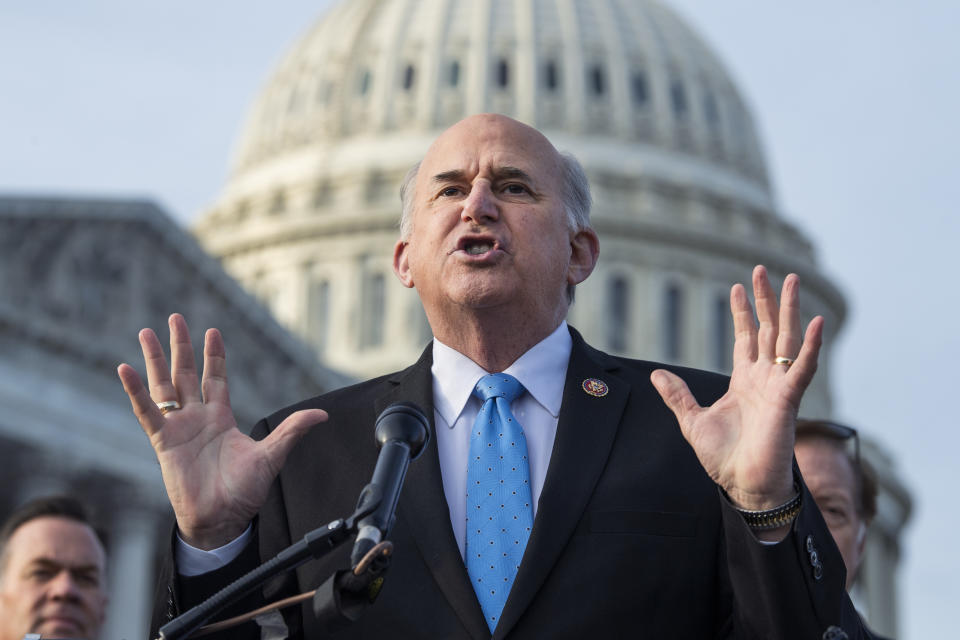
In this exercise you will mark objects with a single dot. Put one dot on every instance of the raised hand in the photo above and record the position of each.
(745, 440)
(216, 477)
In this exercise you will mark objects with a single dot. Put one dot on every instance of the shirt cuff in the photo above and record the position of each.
(192, 561)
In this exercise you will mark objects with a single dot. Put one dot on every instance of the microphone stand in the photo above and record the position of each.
(315, 544)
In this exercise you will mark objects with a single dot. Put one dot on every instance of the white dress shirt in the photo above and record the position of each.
(542, 371)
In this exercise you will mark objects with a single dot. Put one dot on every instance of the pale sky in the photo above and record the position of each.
(856, 102)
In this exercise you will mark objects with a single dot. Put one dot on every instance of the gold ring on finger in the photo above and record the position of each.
(785, 361)
(167, 406)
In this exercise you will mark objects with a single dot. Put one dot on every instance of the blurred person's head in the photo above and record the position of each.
(842, 484)
(52, 572)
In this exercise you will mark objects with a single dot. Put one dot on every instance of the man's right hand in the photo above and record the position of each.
(217, 478)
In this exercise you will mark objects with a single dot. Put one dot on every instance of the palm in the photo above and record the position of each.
(745, 440)
(217, 478)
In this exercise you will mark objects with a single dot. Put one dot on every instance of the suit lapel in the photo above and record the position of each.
(585, 434)
(423, 506)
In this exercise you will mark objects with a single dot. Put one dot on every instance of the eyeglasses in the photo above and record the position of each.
(833, 430)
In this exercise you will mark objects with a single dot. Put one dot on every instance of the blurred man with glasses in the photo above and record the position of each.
(843, 485)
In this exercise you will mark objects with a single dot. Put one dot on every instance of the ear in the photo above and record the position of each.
(401, 264)
(584, 252)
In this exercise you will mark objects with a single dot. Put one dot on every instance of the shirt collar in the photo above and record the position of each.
(542, 371)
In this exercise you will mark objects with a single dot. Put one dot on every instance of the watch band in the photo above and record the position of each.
(773, 518)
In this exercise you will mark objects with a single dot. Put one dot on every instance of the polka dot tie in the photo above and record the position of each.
(499, 513)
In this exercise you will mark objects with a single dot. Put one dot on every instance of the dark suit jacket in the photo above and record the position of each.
(631, 538)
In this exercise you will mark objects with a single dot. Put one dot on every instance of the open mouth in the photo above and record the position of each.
(477, 246)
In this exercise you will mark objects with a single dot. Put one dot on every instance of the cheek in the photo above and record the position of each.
(846, 539)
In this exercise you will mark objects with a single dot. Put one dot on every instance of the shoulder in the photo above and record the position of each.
(359, 401)
(345, 398)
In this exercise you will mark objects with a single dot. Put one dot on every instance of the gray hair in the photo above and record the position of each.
(576, 195)
(407, 190)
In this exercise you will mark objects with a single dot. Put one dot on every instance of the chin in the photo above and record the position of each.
(480, 295)
(63, 630)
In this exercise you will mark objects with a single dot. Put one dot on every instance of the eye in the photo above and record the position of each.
(89, 578)
(449, 192)
(41, 573)
(516, 189)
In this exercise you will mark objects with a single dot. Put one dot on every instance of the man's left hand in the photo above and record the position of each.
(745, 440)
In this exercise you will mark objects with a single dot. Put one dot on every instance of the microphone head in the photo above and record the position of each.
(404, 422)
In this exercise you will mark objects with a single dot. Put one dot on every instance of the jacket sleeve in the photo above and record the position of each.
(177, 594)
(792, 589)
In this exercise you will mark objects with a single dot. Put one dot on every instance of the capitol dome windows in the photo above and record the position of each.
(318, 314)
(372, 305)
(598, 112)
(363, 85)
(551, 77)
(378, 187)
(503, 73)
(720, 340)
(596, 80)
(453, 74)
(242, 210)
(672, 329)
(678, 99)
(641, 102)
(681, 112)
(278, 202)
(551, 104)
(321, 194)
(502, 81)
(409, 76)
(618, 313)
(451, 82)
(639, 91)
(710, 112)
(324, 91)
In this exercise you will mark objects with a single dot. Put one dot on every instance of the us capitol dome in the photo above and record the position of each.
(683, 202)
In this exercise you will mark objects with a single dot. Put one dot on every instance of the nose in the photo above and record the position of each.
(480, 207)
(63, 587)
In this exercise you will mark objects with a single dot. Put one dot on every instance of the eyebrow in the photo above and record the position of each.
(500, 173)
(48, 563)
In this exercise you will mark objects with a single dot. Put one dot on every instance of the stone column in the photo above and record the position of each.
(130, 568)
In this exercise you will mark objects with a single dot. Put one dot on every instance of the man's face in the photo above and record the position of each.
(52, 581)
(829, 475)
(489, 226)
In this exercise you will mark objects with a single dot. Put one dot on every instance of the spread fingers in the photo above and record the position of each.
(767, 313)
(183, 369)
(143, 405)
(158, 373)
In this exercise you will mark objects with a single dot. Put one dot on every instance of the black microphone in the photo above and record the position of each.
(401, 432)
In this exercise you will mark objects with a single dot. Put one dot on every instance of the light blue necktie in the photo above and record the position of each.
(499, 512)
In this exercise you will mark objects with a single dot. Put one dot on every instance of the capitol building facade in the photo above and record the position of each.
(307, 221)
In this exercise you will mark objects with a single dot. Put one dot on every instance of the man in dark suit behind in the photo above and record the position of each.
(640, 527)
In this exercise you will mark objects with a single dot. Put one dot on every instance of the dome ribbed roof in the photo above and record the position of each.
(627, 70)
